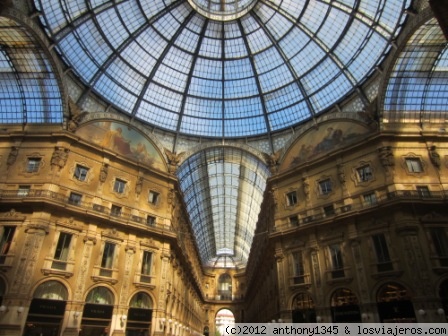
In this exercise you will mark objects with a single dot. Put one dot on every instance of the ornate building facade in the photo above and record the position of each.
(114, 223)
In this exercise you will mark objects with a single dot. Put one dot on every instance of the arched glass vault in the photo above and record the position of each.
(223, 189)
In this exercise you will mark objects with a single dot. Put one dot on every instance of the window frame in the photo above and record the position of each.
(364, 173)
(325, 186)
(75, 198)
(153, 197)
(116, 210)
(291, 198)
(23, 190)
(414, 165)
(119, 186)
(81, 172)
(33, 164)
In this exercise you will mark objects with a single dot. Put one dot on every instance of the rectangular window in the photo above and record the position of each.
(33, 165)
(62, 251)
(382, 253)
(75, 198)
(153, 197)
(150, 220)
(370, 199)
(337, 264)
(115, 210)
(81, 173)
(107, 261)
(364, 173)
(423, 191)
(298, 268)
(24, 190)
(119, 186)
(325, 187)
(294, 221)
(329, 210)
(6, 241)
(291, 198)
(414, 165)
(440, 241)
(146, 267)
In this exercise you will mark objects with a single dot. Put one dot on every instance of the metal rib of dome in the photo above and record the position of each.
(166, 64)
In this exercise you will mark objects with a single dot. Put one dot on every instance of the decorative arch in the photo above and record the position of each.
(394, 304)
(223, 318)
(303, 308)
(51, 290)
(100, 295)
(345, 306)
(47, 308)
(328, 136)
(123, 139)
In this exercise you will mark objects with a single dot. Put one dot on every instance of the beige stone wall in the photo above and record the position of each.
(403, 206)
(42, 212)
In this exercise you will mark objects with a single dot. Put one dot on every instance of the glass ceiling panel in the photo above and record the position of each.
(237, 57)
(223, 190)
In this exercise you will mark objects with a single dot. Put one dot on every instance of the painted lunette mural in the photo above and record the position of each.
(319, 141)
(123, 140)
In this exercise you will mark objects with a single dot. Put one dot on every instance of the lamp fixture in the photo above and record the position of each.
(3, 309)
(20, 310)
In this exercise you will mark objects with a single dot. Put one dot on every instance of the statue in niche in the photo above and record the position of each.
(434, 156)
(306, 187)
(103, 172)
(76, 114)
(12, 156)
(272, 160)
(386, 156)
(173, 160)
(341, 174)
(59, 157)
(139, 185)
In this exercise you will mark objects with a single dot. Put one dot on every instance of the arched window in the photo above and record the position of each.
(141, 300)
(46, 311)
(139, 315)
(225, 287)
(303, 309)
(394, 304)
(100, 295)
(344, 306)
(51, 290)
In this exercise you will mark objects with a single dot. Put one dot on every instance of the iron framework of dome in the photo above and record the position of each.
(227, 68)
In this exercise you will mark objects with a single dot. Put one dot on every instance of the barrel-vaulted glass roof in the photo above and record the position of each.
(222, 68)
(417, 91)
(223, 190)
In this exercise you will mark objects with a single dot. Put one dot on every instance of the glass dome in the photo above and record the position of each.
(226, 68)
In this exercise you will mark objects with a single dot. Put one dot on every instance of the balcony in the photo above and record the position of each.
(300, 281)
(62, 200)
(383, 198)
(58, 267)
(144, 280)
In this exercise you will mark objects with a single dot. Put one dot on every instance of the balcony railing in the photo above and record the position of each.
(60, 199)
(318, 213)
